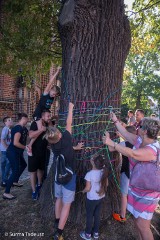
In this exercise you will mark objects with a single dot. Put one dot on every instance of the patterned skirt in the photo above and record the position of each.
(142, 203)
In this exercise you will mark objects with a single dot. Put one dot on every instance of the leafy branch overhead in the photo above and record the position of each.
(141, 75)
(29, 36)
(30, 43)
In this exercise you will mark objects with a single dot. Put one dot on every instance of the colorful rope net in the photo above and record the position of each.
(90, 121)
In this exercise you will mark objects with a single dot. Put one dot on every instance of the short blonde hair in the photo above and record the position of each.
(152, 126)
(52, 135)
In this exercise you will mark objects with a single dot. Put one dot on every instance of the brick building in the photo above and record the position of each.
(15, 97)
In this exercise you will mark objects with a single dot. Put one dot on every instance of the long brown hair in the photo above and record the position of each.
(99, 162)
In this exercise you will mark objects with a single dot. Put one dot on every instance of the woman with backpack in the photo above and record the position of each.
(61, 144)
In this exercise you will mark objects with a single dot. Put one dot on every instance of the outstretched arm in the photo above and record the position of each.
(69, 118)
(49, 85)
(38, 90)
(141, 154)
(130, 137)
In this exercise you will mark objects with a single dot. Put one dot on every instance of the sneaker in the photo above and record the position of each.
(57, 236)
(86, 236)
(118, 217)
(17, 184)
(34, 196)
(38, 188)
(95, 235)
(29, 151)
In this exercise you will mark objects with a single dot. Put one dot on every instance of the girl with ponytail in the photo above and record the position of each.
(96, 186)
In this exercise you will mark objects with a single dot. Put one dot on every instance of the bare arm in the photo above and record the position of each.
(130, 137)
(87, 187)
(49, 85)
(141, 154)
(112, 149)
(69, 118)
(4, 143)
(35, 134)
(16, 142)
(37, 88)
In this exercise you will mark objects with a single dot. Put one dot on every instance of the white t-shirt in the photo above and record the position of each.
(94, 176)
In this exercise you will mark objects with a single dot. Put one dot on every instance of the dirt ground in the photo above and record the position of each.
(20, 219)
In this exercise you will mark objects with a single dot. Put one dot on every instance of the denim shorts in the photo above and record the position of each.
(62, 192)
(124, 183)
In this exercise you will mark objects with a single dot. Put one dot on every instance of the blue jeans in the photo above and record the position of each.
(5, 166)
(18, 164)
(93, 211)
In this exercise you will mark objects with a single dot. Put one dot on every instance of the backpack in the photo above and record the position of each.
(63, 173)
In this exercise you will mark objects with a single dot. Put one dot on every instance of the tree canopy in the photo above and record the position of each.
(29, 36)
(30, 43)
(141, 75)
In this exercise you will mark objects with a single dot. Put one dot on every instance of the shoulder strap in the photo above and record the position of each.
(158, 154)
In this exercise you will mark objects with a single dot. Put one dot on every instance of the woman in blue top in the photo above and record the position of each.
(15, 151)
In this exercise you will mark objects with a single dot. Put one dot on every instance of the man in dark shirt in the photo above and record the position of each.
(36, 163)
(14, 154)
(139, 115)
(62, 144)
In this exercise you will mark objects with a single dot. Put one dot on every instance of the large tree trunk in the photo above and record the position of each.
(95, 36)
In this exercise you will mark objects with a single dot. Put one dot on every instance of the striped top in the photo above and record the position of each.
(142, 203)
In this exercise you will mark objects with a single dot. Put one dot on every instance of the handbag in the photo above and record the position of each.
(146, 175)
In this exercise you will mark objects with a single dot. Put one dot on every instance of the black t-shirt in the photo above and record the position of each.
(125, 162)
(39, 147)
(45, 102)
(64, 146)
(24, 133)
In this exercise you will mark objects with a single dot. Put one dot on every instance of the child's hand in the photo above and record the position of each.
(59, 68)
(80, 146)
(71, 105)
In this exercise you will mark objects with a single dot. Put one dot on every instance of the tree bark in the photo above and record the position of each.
(138, 100)
(95, 42)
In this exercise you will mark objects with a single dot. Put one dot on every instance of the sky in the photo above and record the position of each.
(129, 3)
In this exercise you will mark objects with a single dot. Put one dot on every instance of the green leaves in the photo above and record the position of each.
(141, 75)
(29, 36)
